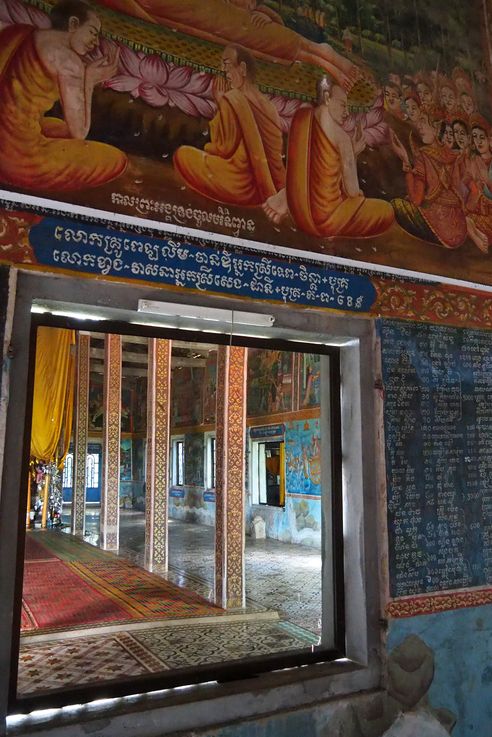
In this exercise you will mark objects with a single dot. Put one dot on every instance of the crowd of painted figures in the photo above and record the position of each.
(449, 165)
(445, 152)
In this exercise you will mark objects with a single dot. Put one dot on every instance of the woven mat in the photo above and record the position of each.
(35, 551)
(142, 593)
(55, 597)
(70, 584)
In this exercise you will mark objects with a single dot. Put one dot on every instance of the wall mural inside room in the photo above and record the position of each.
(190, 113)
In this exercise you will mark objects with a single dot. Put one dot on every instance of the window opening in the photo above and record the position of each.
(178, 462)
(287, 491)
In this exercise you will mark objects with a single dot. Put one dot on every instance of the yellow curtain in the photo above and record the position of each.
(54, 380)
(67, 421)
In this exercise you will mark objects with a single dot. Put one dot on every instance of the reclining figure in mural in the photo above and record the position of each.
(37, 69)
(242, 164)
(322, 190)
(259, 29)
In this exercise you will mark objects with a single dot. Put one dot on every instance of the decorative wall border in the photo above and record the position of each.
(50, 242)
(414, 606)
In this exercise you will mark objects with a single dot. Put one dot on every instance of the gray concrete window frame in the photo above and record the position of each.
(211, 704)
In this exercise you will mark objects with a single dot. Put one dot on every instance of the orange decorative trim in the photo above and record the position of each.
(81, 434)
(413, 606)
(436, 303)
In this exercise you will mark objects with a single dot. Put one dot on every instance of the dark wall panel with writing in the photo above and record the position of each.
(438, 428)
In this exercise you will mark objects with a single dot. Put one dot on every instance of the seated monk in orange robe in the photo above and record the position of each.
(38, 68)
(322, 191)
(242, 164)
(259, 29)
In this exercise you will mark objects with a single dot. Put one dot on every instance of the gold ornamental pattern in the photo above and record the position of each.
(436, 303)
(81, 433)
(230, 443)
(111, 442)
(157, 479)
(442, 602)
(236, 430)
(220, 473)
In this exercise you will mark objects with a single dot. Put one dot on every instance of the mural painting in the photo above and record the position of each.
(269, 381)
(210, 389)
(96, 406)
(354, 129)
(310, 380)
(187, 396)
(302, 457)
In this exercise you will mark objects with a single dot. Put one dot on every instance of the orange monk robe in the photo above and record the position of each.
(217, 21)
(315, 193)
(37, 152)
(242, 164)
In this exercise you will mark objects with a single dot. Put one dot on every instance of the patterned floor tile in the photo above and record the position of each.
(85, 660)
(184, 646)
(98, 658)
(279, 576)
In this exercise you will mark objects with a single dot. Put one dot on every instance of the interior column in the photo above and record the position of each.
(111, 443)
(81, 433)
(229, 476)
(157, 476)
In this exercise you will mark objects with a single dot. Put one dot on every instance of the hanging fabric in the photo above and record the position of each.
(54, 380)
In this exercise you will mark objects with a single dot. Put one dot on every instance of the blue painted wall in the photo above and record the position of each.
(462, 643)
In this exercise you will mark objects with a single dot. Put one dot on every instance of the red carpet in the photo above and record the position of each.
(36, 551)
(55, 597)
(147, 596)
(94, 587)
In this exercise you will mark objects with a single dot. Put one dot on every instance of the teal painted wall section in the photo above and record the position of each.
(462, 645)
(300, 520)
(302, 457)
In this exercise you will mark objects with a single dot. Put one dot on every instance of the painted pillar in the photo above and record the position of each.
(81, 433)
(110, 512)
(229, 476)
(157, 477)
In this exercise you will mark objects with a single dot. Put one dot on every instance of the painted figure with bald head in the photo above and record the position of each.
(242, 164)
(322, 190)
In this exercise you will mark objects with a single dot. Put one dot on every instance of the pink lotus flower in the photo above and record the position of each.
(160, 83)
(286, 108)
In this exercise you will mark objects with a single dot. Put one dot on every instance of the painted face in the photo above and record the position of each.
(337, 105)
(395, 78)
(467, 103)
(413, 110)
(424, 93)
(480, 141)
(448, 136)
(447, 98)
(84, 37)
(235, 73)
(392, 99)
(461, 136)
(426, 130)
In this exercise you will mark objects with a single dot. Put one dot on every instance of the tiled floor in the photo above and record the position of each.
(83, 660)
(279, 576)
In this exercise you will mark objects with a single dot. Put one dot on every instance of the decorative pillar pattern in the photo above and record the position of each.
(229, 476)
(81, 433)
(157, 477)
(111, 443)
